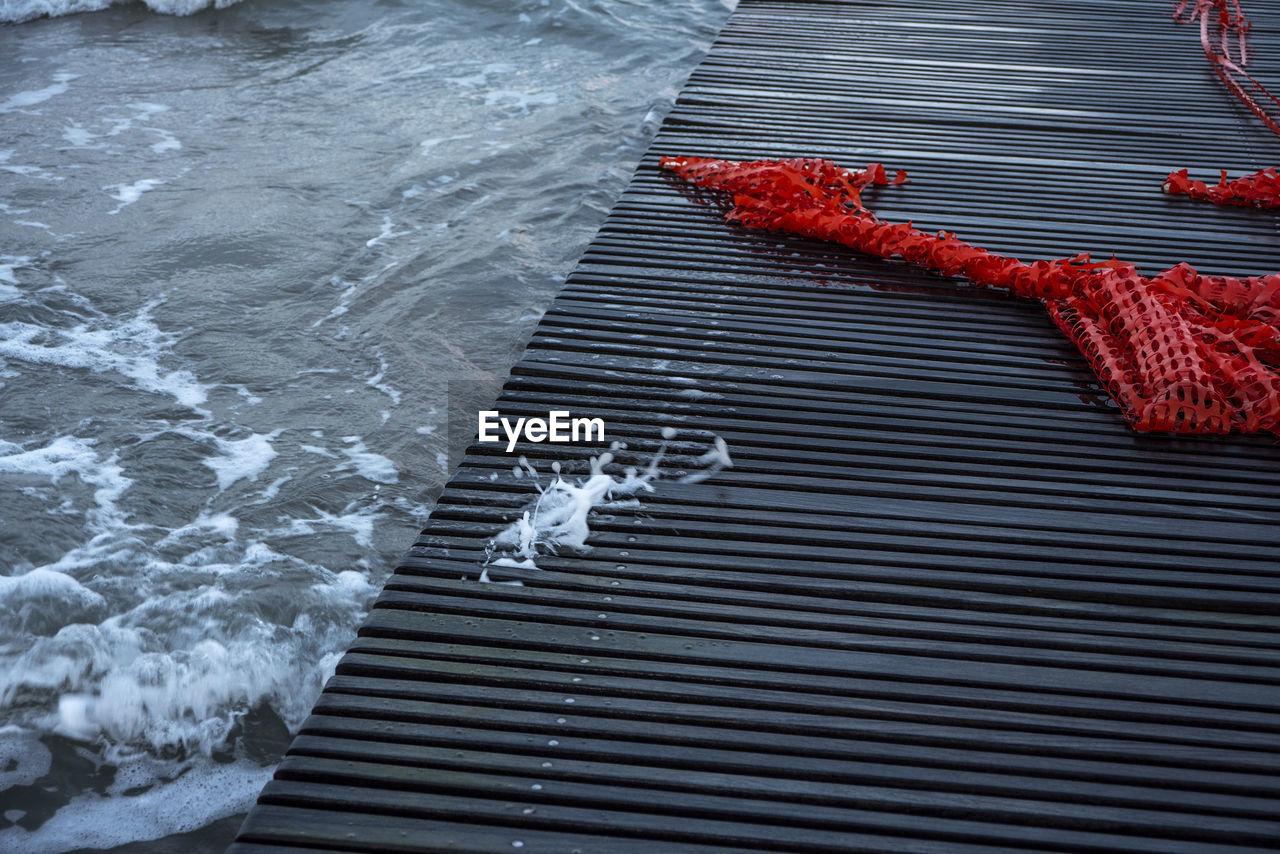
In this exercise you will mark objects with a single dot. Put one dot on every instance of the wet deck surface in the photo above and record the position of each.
(945, 600)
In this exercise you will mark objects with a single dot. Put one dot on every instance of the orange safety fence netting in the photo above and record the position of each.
(1179, 352)
(1259, 189)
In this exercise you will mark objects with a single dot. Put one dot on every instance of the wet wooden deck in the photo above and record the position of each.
(945, 600)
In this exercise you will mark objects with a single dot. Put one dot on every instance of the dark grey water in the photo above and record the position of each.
(241, 255)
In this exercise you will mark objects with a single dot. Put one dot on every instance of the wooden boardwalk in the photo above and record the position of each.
(945, 600)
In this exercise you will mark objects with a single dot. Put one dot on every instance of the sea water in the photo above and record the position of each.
(244, 250)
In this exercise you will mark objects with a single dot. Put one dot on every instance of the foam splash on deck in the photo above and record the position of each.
(560, 517)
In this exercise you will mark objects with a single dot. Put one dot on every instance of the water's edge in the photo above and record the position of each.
(244, 257)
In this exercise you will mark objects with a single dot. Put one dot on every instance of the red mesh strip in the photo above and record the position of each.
(1260, 189)
(1232, 26)
(1179, 352)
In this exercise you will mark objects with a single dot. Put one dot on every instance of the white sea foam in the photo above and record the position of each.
(272, 490)
(522, 101)
(205, 793)
(559, 518)
(34, 602)
(344, 299)
(78, 136)
(116, 123)
(8, 279)
(167, 142)
(132, 347)
(159, 699)
(368, 464)
(388, 233)
(145, 681)
(23, 759)
(242, 458)
(17, 11)
(715, 460)
(127, 194)
(30, 171)
(481, 78)
(378, 381)
(169, 674)
(223, 525)
(354, 519)
(68, 455)
(23, 100)
(425, 148)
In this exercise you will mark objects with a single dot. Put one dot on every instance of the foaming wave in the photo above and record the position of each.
(105, 522)
(174, 672)
(153, 668)
(206, 792)
(161, 693)
(132, 348)
(32, 603)
(194, 626)
(17, 11)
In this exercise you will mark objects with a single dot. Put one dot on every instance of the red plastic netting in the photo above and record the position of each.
(1179, 352)
(1259, 189)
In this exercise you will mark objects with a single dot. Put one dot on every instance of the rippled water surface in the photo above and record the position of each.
(241, 254)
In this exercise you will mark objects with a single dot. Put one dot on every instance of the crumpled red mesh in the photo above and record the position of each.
(1260, 189)
(1179, 352)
